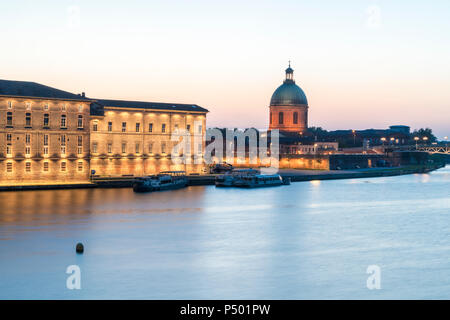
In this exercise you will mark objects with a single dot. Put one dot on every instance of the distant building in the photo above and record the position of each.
(400, 129)
(289, 106)
(51, 136)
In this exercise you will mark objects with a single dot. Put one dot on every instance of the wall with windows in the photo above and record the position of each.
(289, 118)
(127, 141)
(43, 140)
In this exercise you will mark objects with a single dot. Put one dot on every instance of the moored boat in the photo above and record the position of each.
(166, 180)
(229, 179)
(261, 180)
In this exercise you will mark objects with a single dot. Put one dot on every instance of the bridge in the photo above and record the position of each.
(439, 149)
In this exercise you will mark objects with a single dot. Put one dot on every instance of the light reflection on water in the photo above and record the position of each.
(308, 240)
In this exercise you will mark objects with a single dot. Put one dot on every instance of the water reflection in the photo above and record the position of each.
(308, 240)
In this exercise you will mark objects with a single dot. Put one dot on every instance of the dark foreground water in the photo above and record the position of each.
(308, 240)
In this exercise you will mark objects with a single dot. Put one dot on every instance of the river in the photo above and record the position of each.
(304, 241)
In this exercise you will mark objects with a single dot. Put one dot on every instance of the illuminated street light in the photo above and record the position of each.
(417, 139)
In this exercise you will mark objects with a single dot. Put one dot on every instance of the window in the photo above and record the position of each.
(280, 118)
(8, 137)
(27, 138)
(63, 144)
(9, 119)
(9, 104)
(295, 117)
(95, 126)
(63, 121)
(150, 147)
(46, 106)
(46, 119)
(63, 166)
(27, 150)
(28, 106)
(9, 167)
(199, 148)
(138, 127)
(200, 127)
(80, 145)
(124, 147)
(188, 128)
(176, 127)
(28, 120)
(45, 139)
(8, 149)
(63, 107)
(45, 166)
(150, 127)
(28, 166)
(270, 118)
(163, 147)
(80, 166)
(163, 128)
(137, 147)
(94, 147)
(124, 127)
(109, 147)
(80, 121)
(109, 126)
(46, 150)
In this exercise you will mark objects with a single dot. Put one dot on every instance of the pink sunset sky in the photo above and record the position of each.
(362, 64)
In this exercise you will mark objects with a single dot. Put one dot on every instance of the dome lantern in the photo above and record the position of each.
(290, 73)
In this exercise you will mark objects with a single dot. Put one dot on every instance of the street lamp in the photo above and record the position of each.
(354, 137)
(425, 139)
(417, 139)
(383, 139)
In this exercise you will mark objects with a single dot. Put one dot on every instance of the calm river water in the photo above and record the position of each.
(308, 240)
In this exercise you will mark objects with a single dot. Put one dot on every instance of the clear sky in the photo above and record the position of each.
(362, 64)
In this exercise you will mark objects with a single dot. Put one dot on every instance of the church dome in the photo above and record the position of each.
(288, 93)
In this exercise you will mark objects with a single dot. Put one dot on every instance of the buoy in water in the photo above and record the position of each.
(80, 248)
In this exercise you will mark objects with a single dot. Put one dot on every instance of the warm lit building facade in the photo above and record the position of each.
(53, 136)
(289, 106)
(44, 134)
(135, 138)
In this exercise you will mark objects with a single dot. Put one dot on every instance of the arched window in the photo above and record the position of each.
(295, 117)
(271, 118)
(280, 118)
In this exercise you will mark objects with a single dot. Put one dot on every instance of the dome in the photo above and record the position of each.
(288, 93)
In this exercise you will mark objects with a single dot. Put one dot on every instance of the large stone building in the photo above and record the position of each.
(52, 136)
(289, 106)
(133, 137)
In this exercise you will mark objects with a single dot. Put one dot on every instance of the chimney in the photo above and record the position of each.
(83, 95)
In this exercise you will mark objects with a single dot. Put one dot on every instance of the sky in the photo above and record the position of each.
(362, 64)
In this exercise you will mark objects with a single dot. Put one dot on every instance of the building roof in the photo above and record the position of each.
(151, 105)
(288, 94)
(35, 90)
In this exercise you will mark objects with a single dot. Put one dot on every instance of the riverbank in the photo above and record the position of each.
(295, 175)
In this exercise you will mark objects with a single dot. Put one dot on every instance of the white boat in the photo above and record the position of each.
(261, 180)
(230, 178)
(166, 180)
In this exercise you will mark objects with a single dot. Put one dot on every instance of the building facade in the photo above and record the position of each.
(289, 106)
(44, 134)
(137, 138)
(50, 136)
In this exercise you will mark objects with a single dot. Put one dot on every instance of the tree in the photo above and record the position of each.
(427, 132)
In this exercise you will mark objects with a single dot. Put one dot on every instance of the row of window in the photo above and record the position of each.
(150, 127)
(45, 121)
(45, 143)
(46, 106)
(137, 148)
(281, 118)
(45, 167)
